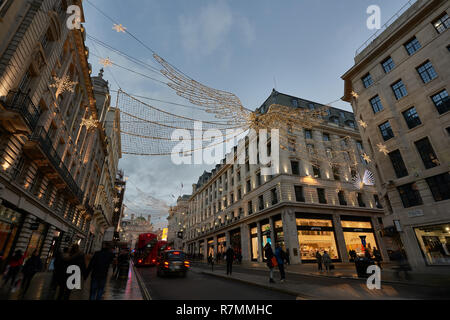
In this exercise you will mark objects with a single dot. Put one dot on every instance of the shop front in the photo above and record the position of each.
(211, 247)
(316, 234)
(201, 250)
(254, 242)
(235, 239)
(39, 231)
(221, 244)
(265, 236)
(358, 231)
(278, 232)
(434, 242)
(10, 221)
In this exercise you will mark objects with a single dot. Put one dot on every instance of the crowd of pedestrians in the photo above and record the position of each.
(20, 271)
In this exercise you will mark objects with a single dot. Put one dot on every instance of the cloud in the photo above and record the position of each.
(204, 32)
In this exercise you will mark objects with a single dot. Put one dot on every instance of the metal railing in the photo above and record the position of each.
(41, 136)
(21, 102)
(385, 26)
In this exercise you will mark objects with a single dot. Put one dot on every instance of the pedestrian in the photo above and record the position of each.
(377, 256)
(74, 257)
(229, 257)
(211, 261)
(402, 263)
(326, 260)
(319, 260)
(13, 268)
(31, 267)
(352, 254)
(367, 254)
(268, 252)
(99, 266)
(281, 257)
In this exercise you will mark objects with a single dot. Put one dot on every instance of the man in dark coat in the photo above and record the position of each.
(229, 258)
(99, 266)
(31, 267)
(268, 252)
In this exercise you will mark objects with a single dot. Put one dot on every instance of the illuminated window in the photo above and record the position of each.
(442, 23)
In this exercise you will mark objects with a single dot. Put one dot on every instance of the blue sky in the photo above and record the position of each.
(244, 47)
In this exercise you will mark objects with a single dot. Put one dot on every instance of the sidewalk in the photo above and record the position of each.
(121, 289)
(435, 277)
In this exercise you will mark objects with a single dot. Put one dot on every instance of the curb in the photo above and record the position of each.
(145, 294)
(287, 291)
(355, 278)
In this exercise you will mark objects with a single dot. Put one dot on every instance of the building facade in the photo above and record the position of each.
(133, 227)
(307, 206)
(51, 156)
(176, 222)
(399, 91)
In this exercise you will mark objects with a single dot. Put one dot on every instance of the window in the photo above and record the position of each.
(258, 179)
(308, 134)
(377, 201)
(441, 101)
(295, 168)
(375, 102)
(310, 148)
(311, 106)
(398, 164)
(334, 119)
(316, 171)
(261, 202)
(399, 90)
(336, 174)
(291, 145)
(427, 153)
(386, 131)
(326, 137)
(239, 175)
(341, 197)
(411, 117)
(249, 186)
(329, 152)
(274, 196)
(440, 186)
(295, 103)
(239, 194)
(426, 72)
(25, 82)
(321, 195)
(442, 23)
(367, 80)
(410, 195)
(350, 123)
(299, 197)
(388, 64)
(250, 207)
(360, 200)
(231, 198)
(412, 46)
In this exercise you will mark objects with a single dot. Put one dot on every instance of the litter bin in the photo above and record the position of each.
(361, 264)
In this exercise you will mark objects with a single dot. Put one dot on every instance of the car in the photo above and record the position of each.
(172, 262)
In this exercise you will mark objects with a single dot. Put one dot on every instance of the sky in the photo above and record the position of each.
(299, 47)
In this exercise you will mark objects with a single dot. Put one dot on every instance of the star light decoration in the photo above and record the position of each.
(90, 123)
(63, 84)
(382, 148)
(366, 158)
(119, 28)
(363, 124)
(116, 199)
(367, 180)
(106, 62)
(354, 94)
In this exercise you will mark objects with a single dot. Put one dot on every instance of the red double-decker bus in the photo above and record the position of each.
(147, 250)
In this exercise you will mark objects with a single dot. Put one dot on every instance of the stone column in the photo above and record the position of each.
(272, 233)
(381, 247)
(245, 242)
(205, 249)
(228, 239)
(291, 236)
(215, 245)
(47, 243)
(260, 248)
(25, 234)
(340, 238)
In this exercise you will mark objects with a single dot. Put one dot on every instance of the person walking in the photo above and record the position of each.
(268, 252)
(229, 257)
(281, 257)
(14, 267)
(326, 260)
(377, 256)
(31, 267)
(211, 261)
(319, 260)
(99, 266)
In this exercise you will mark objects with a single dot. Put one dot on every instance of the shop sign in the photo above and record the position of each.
(316, 228)
(358, 230)
(415, 213)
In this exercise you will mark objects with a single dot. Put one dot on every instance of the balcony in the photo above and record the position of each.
(39, 148)
(18, 114)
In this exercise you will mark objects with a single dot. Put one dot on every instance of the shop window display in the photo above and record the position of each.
(254, 243)
(9, 221)
(434, 242)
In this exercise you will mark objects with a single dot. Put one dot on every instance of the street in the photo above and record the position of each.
(202, 286)
(197, 286)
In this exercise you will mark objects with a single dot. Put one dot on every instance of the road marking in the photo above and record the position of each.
(141, 284)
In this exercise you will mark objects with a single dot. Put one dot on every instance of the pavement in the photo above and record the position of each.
(338, 284)
(115, 289)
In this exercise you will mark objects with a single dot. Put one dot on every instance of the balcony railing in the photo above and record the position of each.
(41, 136)
(20, 102)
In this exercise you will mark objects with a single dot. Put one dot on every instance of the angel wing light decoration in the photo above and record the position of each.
(367, 180)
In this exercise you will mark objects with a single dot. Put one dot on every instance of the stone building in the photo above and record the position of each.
(176, 222)
(52, 148)
(132, 228)
(307, 206)
(399, 91)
